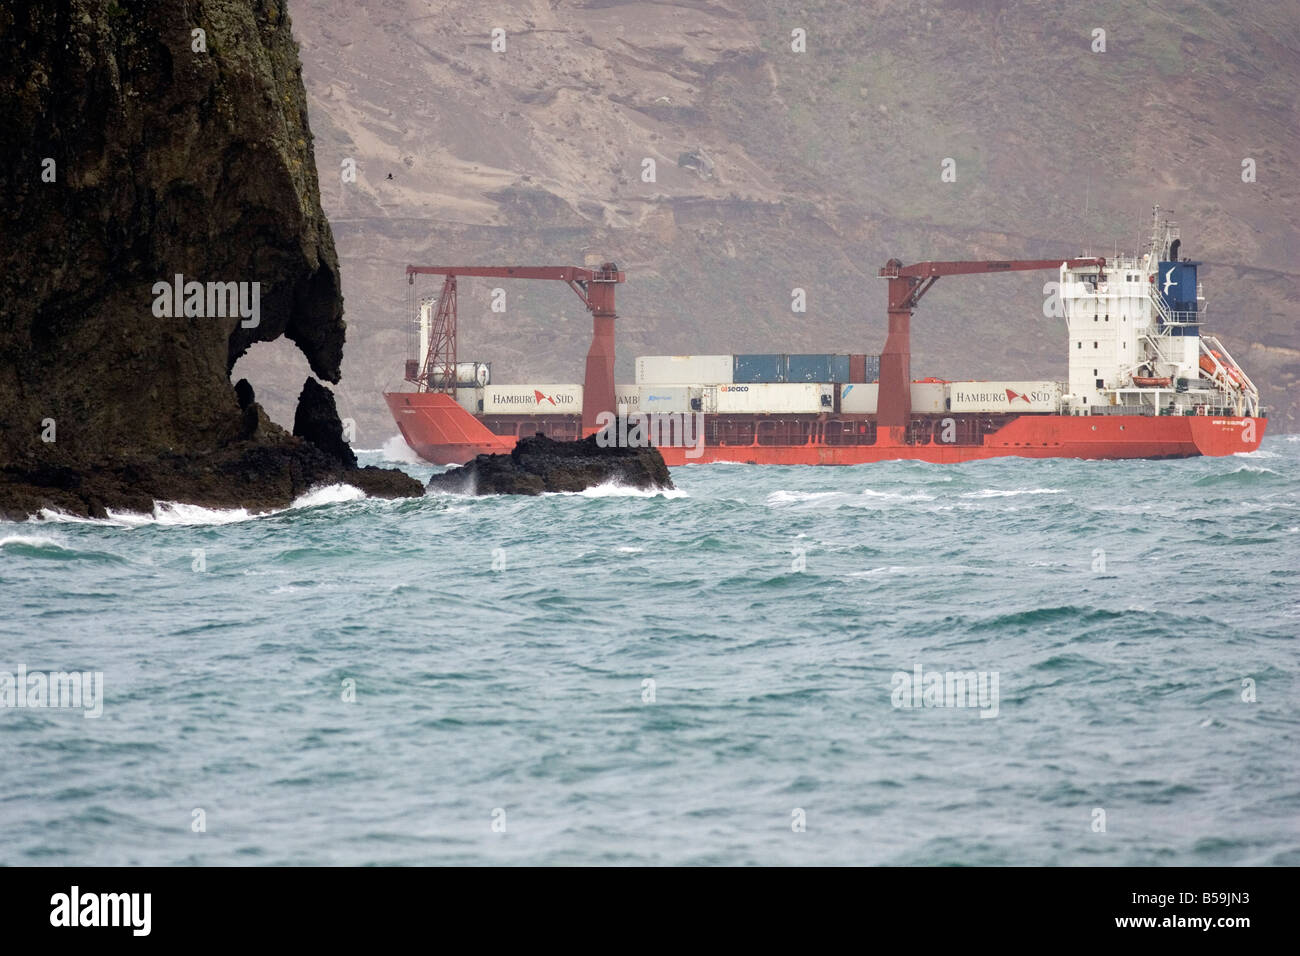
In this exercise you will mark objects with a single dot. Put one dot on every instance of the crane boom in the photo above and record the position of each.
(595, 287)
(907, 284)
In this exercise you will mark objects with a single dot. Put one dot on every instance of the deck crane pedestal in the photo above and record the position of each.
(907, 283)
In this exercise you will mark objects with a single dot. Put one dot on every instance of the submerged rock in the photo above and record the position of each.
(540, 464)
(160, 146)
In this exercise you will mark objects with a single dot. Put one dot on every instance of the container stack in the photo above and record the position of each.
(759, 368)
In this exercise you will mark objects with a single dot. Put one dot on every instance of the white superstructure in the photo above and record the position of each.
(1135, 338)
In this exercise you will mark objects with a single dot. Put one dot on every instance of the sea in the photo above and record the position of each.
(1014, 661)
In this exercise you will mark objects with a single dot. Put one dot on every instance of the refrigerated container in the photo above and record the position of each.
(661, 399)
(929, 398)
(859, 398)
(470, 399)
(683, 369)
(1004, 396)
(532, 400)
(800, 398)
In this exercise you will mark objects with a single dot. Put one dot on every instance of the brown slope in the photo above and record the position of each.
(824, 164)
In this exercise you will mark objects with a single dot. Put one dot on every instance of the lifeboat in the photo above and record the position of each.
(1209, 368)
(1150, 381)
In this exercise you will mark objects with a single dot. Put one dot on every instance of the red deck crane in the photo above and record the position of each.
(906, 286)
(595, 287)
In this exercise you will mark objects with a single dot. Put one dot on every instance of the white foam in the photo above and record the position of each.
(180, 514)
(1011, 493)
(397, 450)
(31, 541)
(611, 490)
(177, 513)
(328, 495)
(778, 498)
(896, 496)
(794, 497)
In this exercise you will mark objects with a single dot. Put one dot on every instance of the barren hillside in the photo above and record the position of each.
(778, 169)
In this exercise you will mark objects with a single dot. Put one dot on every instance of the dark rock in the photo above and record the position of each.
(541, 464)
(317, 421)
(166, 161)
(244, 393)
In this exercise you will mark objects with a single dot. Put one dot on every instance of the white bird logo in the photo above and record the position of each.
(1169, 280)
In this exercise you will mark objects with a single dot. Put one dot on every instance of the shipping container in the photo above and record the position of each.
(468, 374)
(628, 398)
(803, 398)
(683, 369)
(662, 399)
(808, 368)
(470, 399)
(859, 399)
(766, 368)
(818, 368)
(929, 398)
(1004, 396)
(532, 400)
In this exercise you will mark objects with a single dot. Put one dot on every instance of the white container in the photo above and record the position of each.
(532, 400)
(929, 398)
(661, 399)
(683, 369)
(797, 398)
(470, 399)
(1004, 396)
(627, 398)
(859, 398)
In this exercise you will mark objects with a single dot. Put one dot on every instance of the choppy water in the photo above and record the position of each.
(771, 607)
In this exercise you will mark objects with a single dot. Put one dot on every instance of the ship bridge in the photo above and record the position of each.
(1136, 341)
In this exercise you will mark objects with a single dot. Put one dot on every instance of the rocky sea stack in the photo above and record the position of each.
(146, 144)
(540, 464)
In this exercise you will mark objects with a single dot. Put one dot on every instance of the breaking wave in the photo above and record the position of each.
(180, 514)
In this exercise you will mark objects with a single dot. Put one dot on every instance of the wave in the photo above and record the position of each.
(783, 497)
(39, 546)
(17, 541)
(613, 490)
(328, 495)
(1011, 493)
(180, 514)
(396, 450)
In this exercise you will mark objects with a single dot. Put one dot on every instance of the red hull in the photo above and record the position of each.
(444, 433)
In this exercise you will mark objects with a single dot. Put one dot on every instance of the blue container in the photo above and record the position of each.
(817, 368)
(872, 363)
(763, 368)
(809, 368)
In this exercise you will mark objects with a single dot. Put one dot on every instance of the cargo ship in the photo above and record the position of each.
(1145, 380)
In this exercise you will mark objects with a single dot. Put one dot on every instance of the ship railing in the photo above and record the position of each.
(1167, 315)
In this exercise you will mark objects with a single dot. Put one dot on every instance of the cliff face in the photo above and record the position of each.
(139, 149)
